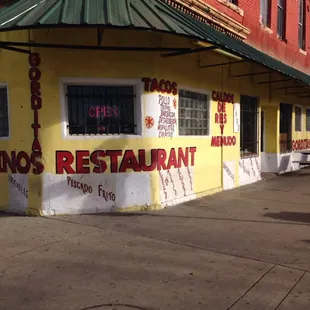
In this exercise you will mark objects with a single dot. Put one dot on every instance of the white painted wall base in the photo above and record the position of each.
(18, 193)
(281, 163)
(249, 170)
(94, 193)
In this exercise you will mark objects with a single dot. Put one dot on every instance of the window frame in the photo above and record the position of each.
(5, 85)
(282, 35)
(306, 109)
(138, 91)
(200, 91)
(234, 2)
(258, 123)
(268, 12)
(302, 44)
(301, 122)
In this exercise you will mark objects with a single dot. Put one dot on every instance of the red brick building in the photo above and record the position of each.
(280, 28)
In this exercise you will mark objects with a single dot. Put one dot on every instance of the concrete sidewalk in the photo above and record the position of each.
(247, 248)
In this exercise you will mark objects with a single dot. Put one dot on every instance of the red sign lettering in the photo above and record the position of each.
(163, 86)
(121, 162)
(103, 112)
(36, 105)
(222, 96)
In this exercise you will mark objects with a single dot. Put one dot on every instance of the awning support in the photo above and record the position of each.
(15, 49)
(293, 86)
(251, 74)
(4, 44)
(191, 51)
(275, 81)
(297, 92)
(221, 64)
(99, 36)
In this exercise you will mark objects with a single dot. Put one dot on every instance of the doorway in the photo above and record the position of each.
(286, 111)
(262, 131)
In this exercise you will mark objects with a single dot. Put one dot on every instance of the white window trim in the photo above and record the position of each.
(264, 125)
(5, 85)
(204, 92)
(306, 108)
(136, 83)
(301, 121)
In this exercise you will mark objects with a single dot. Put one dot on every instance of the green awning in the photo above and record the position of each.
(154, 15)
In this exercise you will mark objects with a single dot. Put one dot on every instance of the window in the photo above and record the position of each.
(193, 114)
(298, 115)
(235, 2)
(248, 121)
(4, 115)
(302, 25)
(265, 12)
(308, 119)
(100, 110)
(281, 18)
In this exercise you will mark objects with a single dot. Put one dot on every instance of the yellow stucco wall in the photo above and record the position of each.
(61, 63)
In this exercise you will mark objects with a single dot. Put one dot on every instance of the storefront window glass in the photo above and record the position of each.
(4, 117)
(298, 114)
(248, 120)
(308, 119)
(101, 110)
(193, 114)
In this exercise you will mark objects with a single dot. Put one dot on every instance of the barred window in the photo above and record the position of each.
(101, 110)
(249, 123)
(298, 115)
(308, 119)
(4, 115)
(193, 114)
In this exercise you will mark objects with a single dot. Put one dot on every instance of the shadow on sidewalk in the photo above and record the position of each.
(7, 214)
(290, 216)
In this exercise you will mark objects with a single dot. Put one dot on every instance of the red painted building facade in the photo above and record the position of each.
(280, 28)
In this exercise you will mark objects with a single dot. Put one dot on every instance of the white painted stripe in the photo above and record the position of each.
(8, 21)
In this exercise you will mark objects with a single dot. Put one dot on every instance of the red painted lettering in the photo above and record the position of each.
(222, 128)
(35, 88)
(172, 161)
(147, 82)
(174, 88)
(64, 160)
(9, 162)
(35, 128)
(34, 59)
(36, 146)
(142, 160)
(34, 74)
(92, 112)
(82, 162)
(192, 150)
(154, 85)
(36, 103)
(168, 86)
(182, 158)
(23, 163)
(129, 162)
(96, 158)
(114, 160)
(161, 159)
